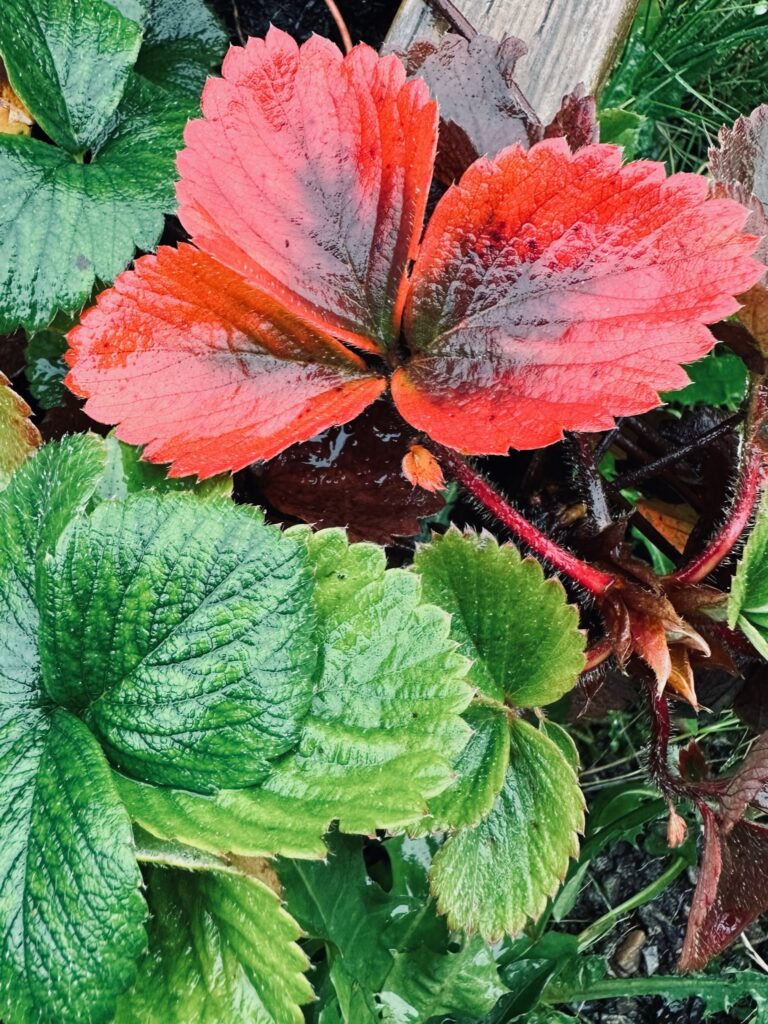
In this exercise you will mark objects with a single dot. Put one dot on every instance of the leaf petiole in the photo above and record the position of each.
(592, 579)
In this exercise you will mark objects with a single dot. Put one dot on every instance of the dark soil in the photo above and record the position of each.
(367, 20)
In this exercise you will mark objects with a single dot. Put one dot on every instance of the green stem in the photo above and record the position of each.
(670, 986)
(605, 923)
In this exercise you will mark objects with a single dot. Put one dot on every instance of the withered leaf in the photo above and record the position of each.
(576, 120)
(732, 890)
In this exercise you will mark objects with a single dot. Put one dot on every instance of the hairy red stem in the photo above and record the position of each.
(749, 486)
(587, 576)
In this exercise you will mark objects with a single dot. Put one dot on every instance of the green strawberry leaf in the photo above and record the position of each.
(65, 224)
(245, 822)
(622, 128)
(748, 601)
(183, 42)
(126, 473)
(380, 734)
(68, 222)
(490, 879)
(69, 63)
(514, 624)
(392, 958)
(46, 367)
(184, 631)
(221, 949)
(18, 436)
(383, 727)
(70, 908)
(718, 379)
(481, 768)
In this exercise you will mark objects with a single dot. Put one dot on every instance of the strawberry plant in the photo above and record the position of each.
(328, 770)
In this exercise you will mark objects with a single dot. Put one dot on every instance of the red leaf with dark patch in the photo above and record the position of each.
(352, 476)
(732, 890)
(309, 175)
(554, 291)
(207, 372)
(481, 108)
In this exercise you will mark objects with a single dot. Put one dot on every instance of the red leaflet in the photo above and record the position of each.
(309, 176)
(554, 292)
(208, 373)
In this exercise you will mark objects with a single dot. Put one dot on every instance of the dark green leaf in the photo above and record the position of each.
(46, 368)
(63, 224)
(70, 908)
(393, 959)
(183, 42)
(748, 603)
(185, 629)
(69, 63)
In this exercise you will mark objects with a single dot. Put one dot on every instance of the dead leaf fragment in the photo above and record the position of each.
(15, 119)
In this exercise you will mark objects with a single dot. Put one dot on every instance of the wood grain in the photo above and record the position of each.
(569, 41)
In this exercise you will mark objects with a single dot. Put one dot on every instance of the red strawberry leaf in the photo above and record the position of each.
(732, 890)
(481, 108)
(352, 476)
(191, 361)
(309, 175)
(554, 291)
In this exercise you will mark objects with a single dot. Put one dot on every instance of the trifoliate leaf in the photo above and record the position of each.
(18, 436)
(221, 950)
(517, 627)
(383, 727)
(480, 769)
(183, 42)
(69, 63)
(70, 908)
(718, 379)
(185, 629)
(748, 603)
(392, 957)
(492, 878)
(46, 367)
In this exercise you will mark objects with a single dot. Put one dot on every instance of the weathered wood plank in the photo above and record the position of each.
(569, 41)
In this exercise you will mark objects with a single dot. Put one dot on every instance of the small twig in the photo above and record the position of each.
(457, 22)
(236, 19)
(652, 468)
(341, 25)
